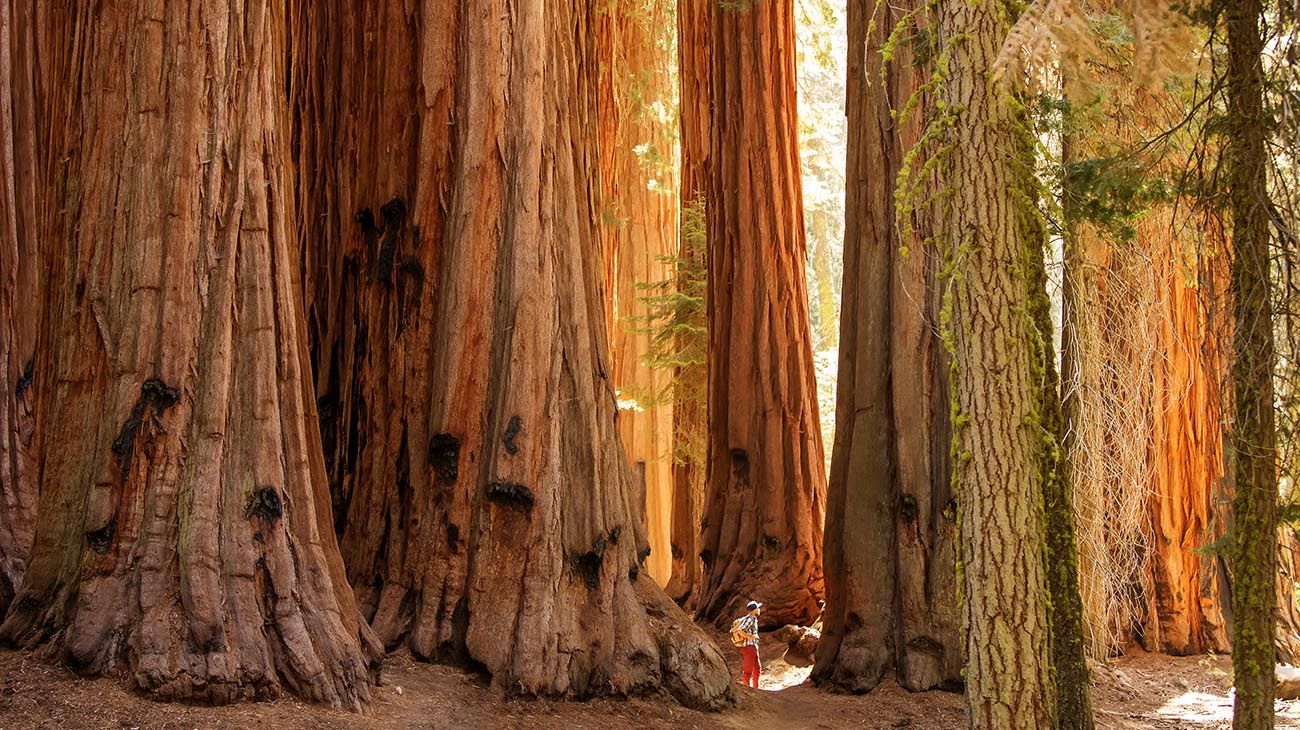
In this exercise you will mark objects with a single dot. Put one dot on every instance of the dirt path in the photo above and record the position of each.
(1144, 691)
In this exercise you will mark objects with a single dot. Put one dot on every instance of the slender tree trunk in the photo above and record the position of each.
(510, 535)
(183, 529)
(766, 488)
(890, 525)
(1065, 604)
(1254, 437)
(20, 289)
(640, 230)
(689, 416)
(999, 424)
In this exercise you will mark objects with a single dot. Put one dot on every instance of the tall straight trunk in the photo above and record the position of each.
(373, 187)
(690, 416)
(510, 532)
(640, 232)
(766, 486)
(183, 525)
(1065, 604)
(1254, 437)
(999, 427)
(20, 288)
(891, 603)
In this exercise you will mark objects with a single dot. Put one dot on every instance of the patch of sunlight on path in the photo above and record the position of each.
(778, 675)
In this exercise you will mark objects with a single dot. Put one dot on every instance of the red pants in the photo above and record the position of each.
(749, 666)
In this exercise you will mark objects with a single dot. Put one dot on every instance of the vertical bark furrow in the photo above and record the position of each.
(762, 531)
(998, 438)
(179, 532)
(20, 290)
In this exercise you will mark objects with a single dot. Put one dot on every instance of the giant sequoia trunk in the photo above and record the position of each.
(997, 388)
(183, 528)
(20, 266)
(891, 598)
(639, 214)
(690, 416)
(766, 486)
(491, 511)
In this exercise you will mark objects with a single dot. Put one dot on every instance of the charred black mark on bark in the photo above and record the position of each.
(444, 456)
(366, 219)
(411, 266)
(771, 543)
(265, 504)
(907, 508)
(512, 430)
(24, 380)
(153, 392)
(740, 465)
(615, 533)
(643, 553)
(632, 573)
(706, 557)
(394, 213)
(588, 564)
(268, 591)
(81, 288)
(350, 264)
(515, 496)
(100, 540)
(677, 551)
(30, 605)
(453, 538)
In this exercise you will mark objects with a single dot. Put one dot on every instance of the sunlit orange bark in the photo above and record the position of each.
(639, 229)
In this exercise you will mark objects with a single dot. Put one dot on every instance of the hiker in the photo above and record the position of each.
(744, 634)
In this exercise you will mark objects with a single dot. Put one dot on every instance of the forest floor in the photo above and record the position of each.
(1136, 691)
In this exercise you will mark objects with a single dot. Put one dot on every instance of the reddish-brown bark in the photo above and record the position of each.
(20, 289)
(766, 487)
(891, 603)
(183, 525)
(492, 513)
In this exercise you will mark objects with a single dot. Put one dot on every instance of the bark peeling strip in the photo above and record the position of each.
(265, 504)
(153, 392)
(444, 456)
(24, 380)
(512, 430)
(515, 496)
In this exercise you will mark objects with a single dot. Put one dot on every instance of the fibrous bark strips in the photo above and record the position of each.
(183, 525)
(491, 512)
(766, 486)
(891, 520)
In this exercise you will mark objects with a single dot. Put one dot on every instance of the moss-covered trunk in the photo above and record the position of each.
(1254, 437)
(890, 547)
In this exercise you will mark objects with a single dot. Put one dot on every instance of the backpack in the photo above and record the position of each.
(737, 634)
